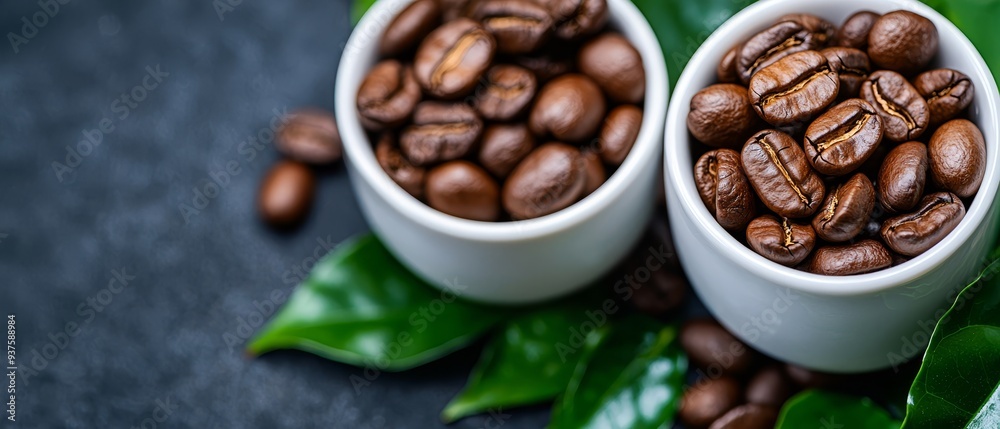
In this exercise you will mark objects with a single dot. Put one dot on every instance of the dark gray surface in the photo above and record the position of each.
(160, 338)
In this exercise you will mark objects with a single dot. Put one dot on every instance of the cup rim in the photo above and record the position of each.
(679, 178)
(359, 154)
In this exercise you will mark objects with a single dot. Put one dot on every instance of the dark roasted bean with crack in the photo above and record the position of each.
(843, 138)
(859, 258)
(904, 112)
(724, 188)
(912, 234)
(440, 132)
(948, 93)
(780, 173)
(852, 67)
(771, 45)
(794, 89)
(452, 59)
(781, 240)
(846, 210)
(519, 26)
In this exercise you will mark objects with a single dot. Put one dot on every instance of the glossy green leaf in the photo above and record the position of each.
(821, 409)
(630, 375)
(681, 26)
(529, 361)
(358, 9)
(362, 307)
(959, 380)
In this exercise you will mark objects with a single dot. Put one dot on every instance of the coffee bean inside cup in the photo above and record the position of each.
(855, 149)
(504, 110)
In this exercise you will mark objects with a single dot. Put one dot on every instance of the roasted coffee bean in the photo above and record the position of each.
(726, 71)
(780, 173)
(770, 386)
(286, 194)
(616, 66)
(769, 46)
(550, 179)
(463, 189)
(854, 32)
(724, 188)
(902, 41)
(912, 234)
(503, 147)
(958, 157)
(748, 416)
(410, 27)
(822, 30)
(570, 108)
(594, 169)
(719, 104)
(506, 93)
(440, 132)
(843, 138)
(947, 92)
(577, 18)
(620, 130)
(781, 240)
(712, 348)
(387, 96)
(862, 257)
(846, 211)
(904, 112)
(519, 26)
(810, 379)
(454, 9)
(794, 89)
(310, 136)
(549, 64)
(399, 169)
(902, 177)
(662, 294)
(452, 59)
(852, 67)
(707, 401)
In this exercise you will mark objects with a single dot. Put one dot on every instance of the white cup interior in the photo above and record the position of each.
(956, 52)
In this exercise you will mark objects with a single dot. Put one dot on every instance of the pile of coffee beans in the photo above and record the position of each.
(307, 137)
(498, 110)
(837, 150)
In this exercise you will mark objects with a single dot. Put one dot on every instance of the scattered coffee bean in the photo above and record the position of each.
(794, 89)
(616, 66)
(948, 93)
(506, 93)
(440, 132)
(550, 179)
(781, 240)
(843, 138)
(286, 194)
(707, 401)
(594, 169)
(519, 26)
(852, 68)
(912, 234)
(780, 173)
(410, 27)
(770, 386)
(748, 416)
(904, 112)
(727, 104)
(902, 177)
(902, 41)
(463, 189)
(503, 147)
(724, 188)
(713, 349)
(854, 32)
(846, 211)
(620, 130)
(392, 161)
(769, 46)
(727, 72)
(957, 154)
(451, 60)
(310, 136)
(570, 108)
(662, 294)
(387, 96)
(862, 257)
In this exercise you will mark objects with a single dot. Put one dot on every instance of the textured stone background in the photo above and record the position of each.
(62, 238)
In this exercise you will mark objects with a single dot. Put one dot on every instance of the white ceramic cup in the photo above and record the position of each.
(510, 262)
(837, 324)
